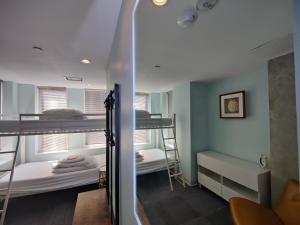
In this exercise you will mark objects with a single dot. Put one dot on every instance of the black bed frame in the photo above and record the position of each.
(112, 133)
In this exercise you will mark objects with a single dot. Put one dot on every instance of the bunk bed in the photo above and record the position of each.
(37, 177)
(32, 178)
(40, 124)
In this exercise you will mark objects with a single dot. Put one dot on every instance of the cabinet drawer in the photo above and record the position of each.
(239, 175)
(209, 183)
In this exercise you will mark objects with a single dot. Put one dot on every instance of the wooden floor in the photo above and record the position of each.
(91, 208)
(141, 213)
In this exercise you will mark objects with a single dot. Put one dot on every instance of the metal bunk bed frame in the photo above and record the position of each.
(15, 152)
(173, 165)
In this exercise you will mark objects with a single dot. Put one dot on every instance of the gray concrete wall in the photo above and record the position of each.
(283, 124)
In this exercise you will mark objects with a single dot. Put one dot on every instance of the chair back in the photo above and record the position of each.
(288, 208)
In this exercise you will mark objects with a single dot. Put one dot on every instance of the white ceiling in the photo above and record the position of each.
(67, 30)
(218, 44)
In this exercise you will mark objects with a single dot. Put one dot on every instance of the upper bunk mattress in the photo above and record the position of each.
(154, 160)
(37, 177)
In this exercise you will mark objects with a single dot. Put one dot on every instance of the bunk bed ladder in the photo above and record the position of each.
(6, 197)
(173, 163)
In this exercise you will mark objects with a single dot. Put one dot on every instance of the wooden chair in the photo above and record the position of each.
(287, 212)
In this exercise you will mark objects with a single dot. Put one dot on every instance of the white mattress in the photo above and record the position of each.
(154, 160)
(37, 177)
(32, 127)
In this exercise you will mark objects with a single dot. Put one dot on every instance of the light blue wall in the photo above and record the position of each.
(10, 108)
(199, 124)
(297, 64)
(181, 107)
(27, 104)
(26, 98)
(244, 138)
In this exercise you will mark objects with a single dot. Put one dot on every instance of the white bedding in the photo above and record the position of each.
(154, 160)
(37, 177)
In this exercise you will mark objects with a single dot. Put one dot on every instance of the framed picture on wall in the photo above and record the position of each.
(232, 105)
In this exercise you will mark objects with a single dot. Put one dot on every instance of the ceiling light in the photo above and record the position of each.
(86, 61)
(73, 78)
(159, 2)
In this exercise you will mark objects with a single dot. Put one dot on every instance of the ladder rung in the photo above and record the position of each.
(3, 189)
(173, 162)
(3, 171)
(1, 211)
(174, 166)
(169, 138)
(8, 152)
(172, 149)
(175, 174)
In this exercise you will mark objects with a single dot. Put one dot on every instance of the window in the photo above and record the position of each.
(52, 98)
(94, 103)
(141, 103)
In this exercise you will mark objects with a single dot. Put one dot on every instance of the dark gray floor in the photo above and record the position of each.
(54, 208)
(184, 206)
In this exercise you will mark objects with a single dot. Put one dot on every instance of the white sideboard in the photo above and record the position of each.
(232, 177)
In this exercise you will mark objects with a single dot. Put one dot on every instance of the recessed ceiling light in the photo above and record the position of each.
(159, 2)
(73, 78)
(86, 61)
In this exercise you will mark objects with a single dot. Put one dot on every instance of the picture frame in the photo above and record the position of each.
(232, 105)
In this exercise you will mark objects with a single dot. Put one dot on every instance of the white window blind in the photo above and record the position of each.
(141, 103)
(52, 98)
(94, 103)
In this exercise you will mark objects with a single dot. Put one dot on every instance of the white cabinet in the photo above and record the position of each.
(232, 177)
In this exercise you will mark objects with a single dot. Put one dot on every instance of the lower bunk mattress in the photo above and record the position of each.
(37, 177)
(154, 160)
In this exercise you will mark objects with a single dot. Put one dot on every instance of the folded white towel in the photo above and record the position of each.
(88, 162)
(137, 154)
(142, 114)
(73, 159)
(139, 159)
